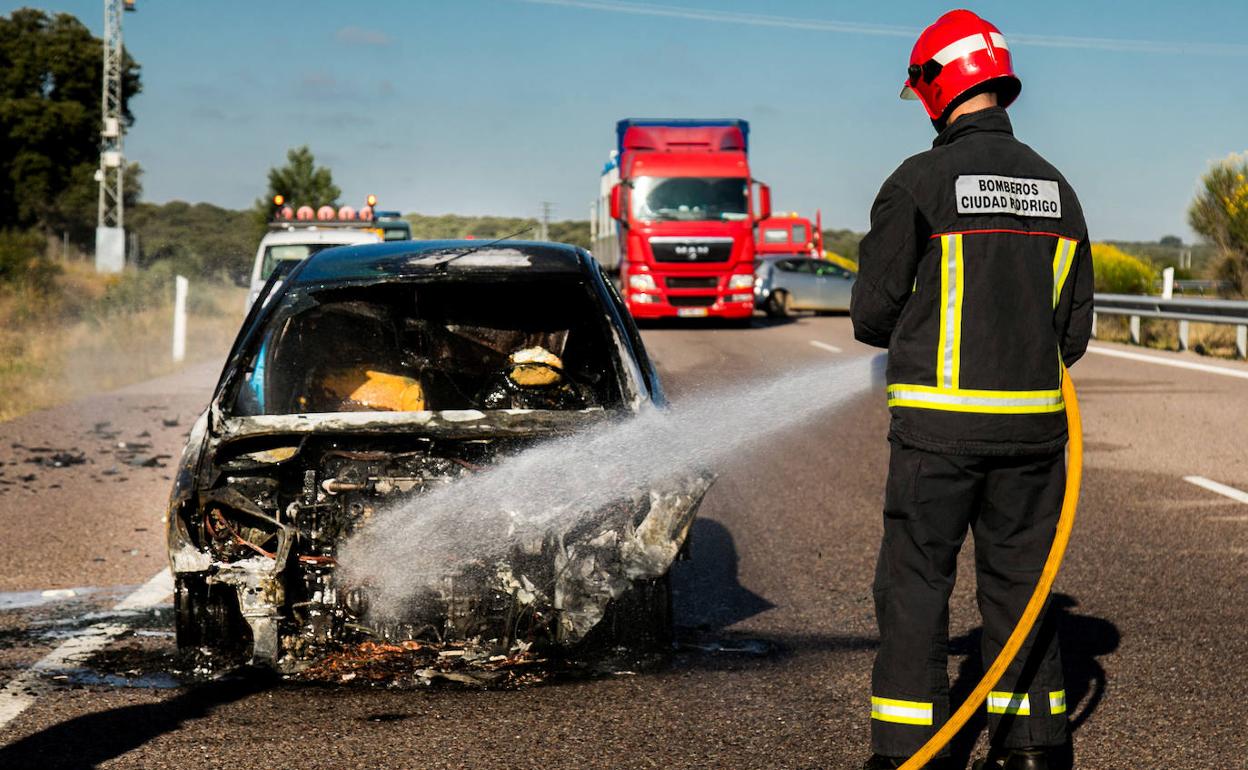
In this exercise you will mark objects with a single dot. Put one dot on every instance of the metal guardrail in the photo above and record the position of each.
(1185, 310)
(1196, 286)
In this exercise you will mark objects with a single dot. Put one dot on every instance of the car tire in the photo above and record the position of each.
(207, 616)
(780, 304)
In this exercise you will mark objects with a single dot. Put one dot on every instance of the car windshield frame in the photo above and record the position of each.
(293, 300)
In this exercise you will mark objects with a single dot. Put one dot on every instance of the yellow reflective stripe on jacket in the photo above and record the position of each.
(1057, 702)
(981, 401)
(1062, 260)
(905, 712)
(949, 348)
(1009, 703)
(948, 395)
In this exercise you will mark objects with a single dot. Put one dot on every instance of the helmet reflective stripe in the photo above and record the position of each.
(905, 712)
(1057, 702)
(967, 46)
(1009, 703)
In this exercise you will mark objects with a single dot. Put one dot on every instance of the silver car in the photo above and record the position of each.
(785, 283)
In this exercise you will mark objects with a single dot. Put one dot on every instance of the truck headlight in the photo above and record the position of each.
(642, 282)
(644, 299)
(742, 281)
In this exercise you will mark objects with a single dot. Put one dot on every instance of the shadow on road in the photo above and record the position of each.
(707, 593)
(708, 599)
(1083, 639)
(90, 740)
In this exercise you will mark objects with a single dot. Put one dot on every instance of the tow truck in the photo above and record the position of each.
(298, 232)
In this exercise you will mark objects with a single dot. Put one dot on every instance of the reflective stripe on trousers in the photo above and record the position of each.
(905, 712)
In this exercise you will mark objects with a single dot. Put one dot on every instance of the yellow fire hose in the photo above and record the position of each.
(1074, 473)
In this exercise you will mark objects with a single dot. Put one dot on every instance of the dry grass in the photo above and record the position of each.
(84, 339)
(1216, 340)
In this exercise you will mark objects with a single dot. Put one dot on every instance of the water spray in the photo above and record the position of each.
(558, 487)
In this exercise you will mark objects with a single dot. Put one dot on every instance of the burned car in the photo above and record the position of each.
(370, 382)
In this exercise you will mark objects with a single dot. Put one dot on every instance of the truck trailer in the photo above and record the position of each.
(675, 217)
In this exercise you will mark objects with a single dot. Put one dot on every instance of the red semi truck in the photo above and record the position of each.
(676, 214)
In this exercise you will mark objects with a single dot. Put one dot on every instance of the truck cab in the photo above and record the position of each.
(296, 243)
(676, 215)
(789, 234)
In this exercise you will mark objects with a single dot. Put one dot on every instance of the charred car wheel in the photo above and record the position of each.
(640, 619)
(207, 615)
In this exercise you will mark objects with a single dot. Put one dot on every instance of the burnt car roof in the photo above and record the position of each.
(417, 258)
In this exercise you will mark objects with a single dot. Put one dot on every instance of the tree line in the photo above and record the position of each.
(50, 116)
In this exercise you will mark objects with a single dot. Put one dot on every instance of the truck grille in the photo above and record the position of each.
(710, 282)
(686, 301)
(676, 249)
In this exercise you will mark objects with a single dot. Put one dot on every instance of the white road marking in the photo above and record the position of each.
(826, 346)
(1221, 489)
(1175, 362)
(21, 691)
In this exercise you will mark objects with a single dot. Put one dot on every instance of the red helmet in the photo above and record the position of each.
(957, 53)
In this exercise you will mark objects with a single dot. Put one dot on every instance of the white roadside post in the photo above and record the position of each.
(179, 318)
(1167, 292)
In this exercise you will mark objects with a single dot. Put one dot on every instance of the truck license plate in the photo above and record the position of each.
(691, 312)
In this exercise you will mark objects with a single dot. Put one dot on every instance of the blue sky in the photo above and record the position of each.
(490, 106)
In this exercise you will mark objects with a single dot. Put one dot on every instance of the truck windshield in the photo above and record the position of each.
(689, 198)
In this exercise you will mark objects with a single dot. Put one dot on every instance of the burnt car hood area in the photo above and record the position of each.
(413, 442)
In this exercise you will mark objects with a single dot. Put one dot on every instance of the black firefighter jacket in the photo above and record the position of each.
(977, 277)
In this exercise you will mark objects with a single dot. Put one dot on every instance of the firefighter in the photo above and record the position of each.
(977, 276)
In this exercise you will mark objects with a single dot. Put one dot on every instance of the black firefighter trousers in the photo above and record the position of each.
(1012, 505)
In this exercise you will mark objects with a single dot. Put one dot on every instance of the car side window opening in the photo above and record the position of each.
(405, 347)
(831, 270)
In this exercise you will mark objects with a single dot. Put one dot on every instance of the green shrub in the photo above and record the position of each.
(24, 263)
(1117, 272)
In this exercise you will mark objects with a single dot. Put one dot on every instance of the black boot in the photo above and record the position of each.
(1015, 759)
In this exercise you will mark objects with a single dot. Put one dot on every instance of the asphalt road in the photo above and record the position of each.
(774, 608)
